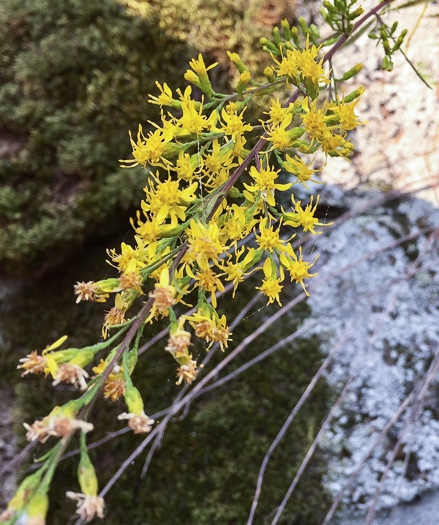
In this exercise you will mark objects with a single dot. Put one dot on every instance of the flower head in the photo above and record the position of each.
(265, 182)
(271, 286)
(187, 372)
(299, 269)
(209, 326)
(88, 506)
(140, 423)
(304, 217)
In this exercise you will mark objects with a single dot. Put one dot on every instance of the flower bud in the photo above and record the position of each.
(236, 59)
(286, 27)
(191, 77)
(276, 34)
(244, 80)
(269, 73)
(352, 72)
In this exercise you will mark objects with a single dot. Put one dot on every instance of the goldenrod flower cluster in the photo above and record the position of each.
(210, 216)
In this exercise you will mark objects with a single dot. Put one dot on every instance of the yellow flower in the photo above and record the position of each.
(204, 243)
(301, 170)
(315, 119)
(264, 183)
(187, 165)
(304, 217)
(163, 295)
(152, 229)
(130, 259)
(303, 67)
(282, 138)
(268, 238)
(193, 121)
(208, 280)
(271, 286)
(299, 269)
(234, 125)
(114, 386)
(338, 145)
(218, 159)
(165, 97)
(166, 198)
(277, 113)
(236, 271)
(209, 326)
(149, 149)
(238, 224)
(200, 70)
(345, 114)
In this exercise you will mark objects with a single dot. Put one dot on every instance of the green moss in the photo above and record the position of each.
(74, 78)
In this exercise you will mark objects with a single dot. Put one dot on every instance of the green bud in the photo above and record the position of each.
(234, 193)
(325, 15)
(393, 28)
(386, 46)
(303, 26)
(236, 59)
(296, 133)
(268, 44)
(269, 73)
(315, 32)
(387, 64)
(330, 7)
(372, 36)
(287, 30)
(355, 94)
(295, 36)
(276, 34)
(244, 80)
(352, 72)
(399, 40)
(107, 285)
(340, 6)
(355, 14)
(331, 41)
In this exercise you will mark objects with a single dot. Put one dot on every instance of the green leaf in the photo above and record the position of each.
(415, 70)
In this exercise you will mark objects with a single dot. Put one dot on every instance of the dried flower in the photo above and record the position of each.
(88, 506)
(140, 423)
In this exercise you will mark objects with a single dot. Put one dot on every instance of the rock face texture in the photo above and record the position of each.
(387, 337)
(378, 307)
(398, 147)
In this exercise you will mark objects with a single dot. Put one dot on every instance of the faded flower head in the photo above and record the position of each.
(32, 364)
(140, 423)
(61, 426)
(88, 506)
(187, 372)
(72, 374)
